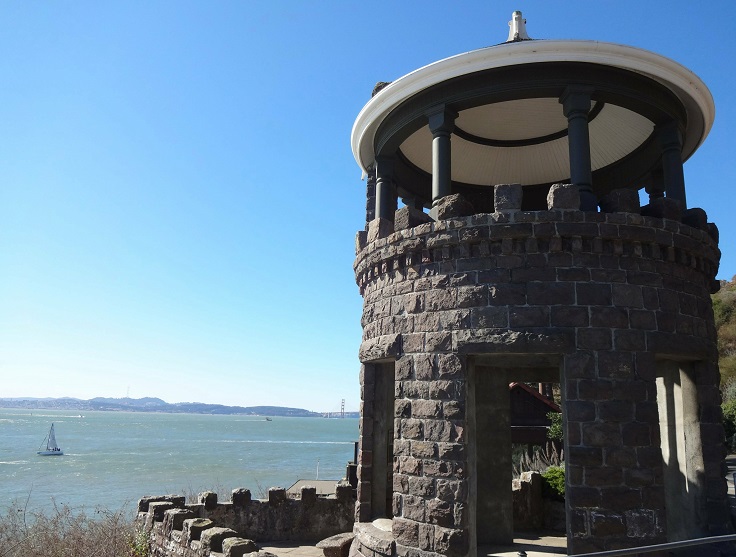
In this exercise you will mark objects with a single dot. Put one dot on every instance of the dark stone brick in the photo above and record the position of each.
(470, 296)
(607, 525)
(581, 497)
(569, 316)
(537, 316)
(507, 294)
(507, 197)
(598, 434)
(627, 295)
(621, 457)
(594, 339)
(490, 317)
(453, 206)
(409, 217)
(585, 456)
(563, 197)
(603, 476)
(615, 365)
(621, 498)
(545, 293)
(616, 318)
(594, 294)
(642, 319)
(636, 434)
(621, 200)
(580, 411)
(451, 542)
(406, 532)
(629, 340)
(614, 410)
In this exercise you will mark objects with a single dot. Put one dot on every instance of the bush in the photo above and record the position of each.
(555, 429)
(62, 531)
(553, 483)
(729, 421)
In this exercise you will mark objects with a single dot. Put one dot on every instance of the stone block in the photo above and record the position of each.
(240, 497)
(337, 545)
(621, 201)
(663, 208)
(158, 508)
(695, 217)
(361, 238)
(565, 197)
(379, 228)
(507, 197)
(193, 528)
(308, 495)
(238, 547)
(175, 500)
(208, 499)
(212, 538)
(344, 491)
(406, 532)
(276, 496)
(174, 519)
(380, 347)
(409, 217)
(453, 206)
(713, 232)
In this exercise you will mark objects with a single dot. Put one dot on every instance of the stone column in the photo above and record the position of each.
(576, 106)
(441, 124)
(385, 189)
(370, 196)
(674, 179)
(655, 188)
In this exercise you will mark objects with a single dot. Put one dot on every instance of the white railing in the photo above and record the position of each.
(659, 547)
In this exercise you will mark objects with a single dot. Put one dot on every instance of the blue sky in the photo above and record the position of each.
(178, 198)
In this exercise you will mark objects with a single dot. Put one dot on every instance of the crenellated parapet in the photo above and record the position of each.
(234, 528)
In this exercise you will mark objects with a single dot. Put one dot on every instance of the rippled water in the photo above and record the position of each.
(111, 459)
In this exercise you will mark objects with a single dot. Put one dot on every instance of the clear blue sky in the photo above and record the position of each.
(178, 198)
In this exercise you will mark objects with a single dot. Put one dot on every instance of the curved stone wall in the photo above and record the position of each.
(609, 301)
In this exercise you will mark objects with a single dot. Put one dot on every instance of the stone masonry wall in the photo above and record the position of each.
(234, 528)
(609, 293)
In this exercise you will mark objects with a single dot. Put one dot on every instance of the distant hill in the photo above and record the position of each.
(151, 405)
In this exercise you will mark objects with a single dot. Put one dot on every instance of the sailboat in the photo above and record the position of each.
(52, 449)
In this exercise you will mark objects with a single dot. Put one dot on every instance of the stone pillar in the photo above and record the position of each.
(494, 502)
(655, 188)
(441, 124)
(370, 196)
(385, 189)
(674, 179)
(576, 106)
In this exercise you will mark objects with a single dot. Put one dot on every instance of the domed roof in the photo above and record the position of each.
(510, 126)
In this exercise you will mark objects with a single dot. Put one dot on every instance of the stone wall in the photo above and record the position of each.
(235, 527)
(600, 300)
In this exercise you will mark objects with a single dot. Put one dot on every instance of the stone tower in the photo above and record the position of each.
(521, 252)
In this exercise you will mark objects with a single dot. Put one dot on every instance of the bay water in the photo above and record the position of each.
(112, 459)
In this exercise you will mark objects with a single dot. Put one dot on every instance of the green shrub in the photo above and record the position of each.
(729, 421)
(555, 429)
(553, 483)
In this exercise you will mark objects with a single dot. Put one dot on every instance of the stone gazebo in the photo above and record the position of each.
(521, 253)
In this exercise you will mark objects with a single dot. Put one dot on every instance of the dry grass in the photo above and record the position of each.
(543, 459)
(62, 532)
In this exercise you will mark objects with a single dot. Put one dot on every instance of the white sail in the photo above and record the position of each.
(51, 444)
(52, 449)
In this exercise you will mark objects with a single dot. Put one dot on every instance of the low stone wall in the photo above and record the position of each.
(531, 510)
(234, 528)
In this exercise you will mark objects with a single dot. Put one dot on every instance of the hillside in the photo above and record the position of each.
(724, 310)
(149, 405)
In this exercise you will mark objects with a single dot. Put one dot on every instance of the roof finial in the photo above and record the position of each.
(517, 28)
